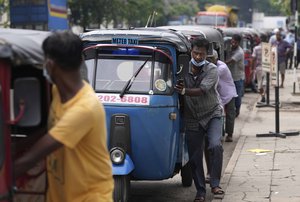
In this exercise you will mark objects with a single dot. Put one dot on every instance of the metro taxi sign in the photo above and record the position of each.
(125, 41)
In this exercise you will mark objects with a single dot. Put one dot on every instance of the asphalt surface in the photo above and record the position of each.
(251, 176)
(171, 190)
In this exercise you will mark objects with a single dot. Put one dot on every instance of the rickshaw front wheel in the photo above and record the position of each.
(122, 188)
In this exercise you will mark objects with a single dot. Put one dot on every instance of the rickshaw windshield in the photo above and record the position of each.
(246, 44)
(215, 20)
(110, 73)
(2, 151)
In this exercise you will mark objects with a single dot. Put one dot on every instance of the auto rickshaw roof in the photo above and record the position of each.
(210, 33)
(145, 36)
(22, 47)
(229, 31)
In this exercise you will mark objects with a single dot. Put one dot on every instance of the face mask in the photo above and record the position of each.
(47, 76)
(198, 64)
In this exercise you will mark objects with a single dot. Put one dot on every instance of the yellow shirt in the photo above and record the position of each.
(80, 170)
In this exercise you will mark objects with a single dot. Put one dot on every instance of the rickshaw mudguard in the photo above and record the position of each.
(124, 168)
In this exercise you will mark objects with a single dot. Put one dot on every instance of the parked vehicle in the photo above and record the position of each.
(133, 73)
(248, 42)
(218, 16)
(24, 101)
(213, 35)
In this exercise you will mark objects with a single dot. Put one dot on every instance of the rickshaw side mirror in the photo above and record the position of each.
(183, 65)
(27, 102)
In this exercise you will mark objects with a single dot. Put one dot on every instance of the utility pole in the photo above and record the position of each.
(294, 8)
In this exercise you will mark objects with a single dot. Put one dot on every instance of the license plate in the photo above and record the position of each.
(127, 99)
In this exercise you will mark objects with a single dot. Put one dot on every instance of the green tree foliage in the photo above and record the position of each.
(138, 11)
(115, 12)
(88, 12)
(266, 7)
(282, 5)
(285, 7)
(183, 7)
(132, 12)
(129, 13)
(180, 9)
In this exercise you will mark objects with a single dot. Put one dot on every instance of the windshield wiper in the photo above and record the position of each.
(130, 81)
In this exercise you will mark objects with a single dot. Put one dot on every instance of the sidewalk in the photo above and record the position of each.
(273, 175)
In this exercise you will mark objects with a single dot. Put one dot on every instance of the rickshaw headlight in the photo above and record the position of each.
(117, 155)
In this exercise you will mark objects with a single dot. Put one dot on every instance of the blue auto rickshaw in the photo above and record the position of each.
(133, 73)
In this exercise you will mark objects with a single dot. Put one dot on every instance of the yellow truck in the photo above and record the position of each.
(218, 16)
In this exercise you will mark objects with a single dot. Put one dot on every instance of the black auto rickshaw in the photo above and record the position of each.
(247, 43)
(213, 35)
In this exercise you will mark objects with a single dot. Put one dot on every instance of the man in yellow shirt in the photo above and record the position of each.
(78, 163)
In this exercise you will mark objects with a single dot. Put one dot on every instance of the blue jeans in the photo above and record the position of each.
(239, 86)
(195, 142)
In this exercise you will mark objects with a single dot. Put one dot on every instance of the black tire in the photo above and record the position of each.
(186, 175)
(122, 188)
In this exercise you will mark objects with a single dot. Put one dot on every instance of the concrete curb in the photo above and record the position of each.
(231, 165)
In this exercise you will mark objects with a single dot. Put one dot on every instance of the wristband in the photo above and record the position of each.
(183, 91)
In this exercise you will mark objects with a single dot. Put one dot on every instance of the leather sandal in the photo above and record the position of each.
(228, 139)
(217, 191)
(199, 199)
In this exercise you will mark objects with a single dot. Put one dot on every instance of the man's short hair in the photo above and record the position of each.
(263, 38)
(200, 42)
(65, 48)
(237, 38)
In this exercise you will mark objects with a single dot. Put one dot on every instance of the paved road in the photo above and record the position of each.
(171, 190)
(272, 176)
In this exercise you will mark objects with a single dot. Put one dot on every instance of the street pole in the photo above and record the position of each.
(294, 7)
(277, 132)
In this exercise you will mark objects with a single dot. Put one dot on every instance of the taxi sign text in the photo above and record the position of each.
(125, 41)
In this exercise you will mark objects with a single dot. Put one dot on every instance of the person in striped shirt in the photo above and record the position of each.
(202, 116)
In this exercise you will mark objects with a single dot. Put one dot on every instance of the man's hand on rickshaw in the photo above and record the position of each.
(179, 87)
